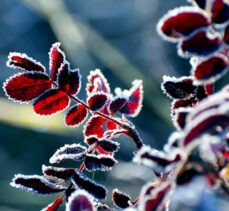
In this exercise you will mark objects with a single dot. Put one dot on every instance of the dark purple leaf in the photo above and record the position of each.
(99, 162)
(36, 184)
(83, 182)
(120, 199)
(69, 80)
(201, 43)
(178, 88)
(74, 152)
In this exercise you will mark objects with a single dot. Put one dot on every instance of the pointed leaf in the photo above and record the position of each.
(83, 182)
(80, 200)
(56, 59)
(97, 83)
(24, 87)
(120, 199)
(23, 62)
(69, 80)
(134, 103)
(94, 126)
(99, 162)
(97, 101)
(178, 88)
(172, 26)
(209, 70)
(201, 43)
(76, 115)
(51, 102)
(36, 184)
(74, 152)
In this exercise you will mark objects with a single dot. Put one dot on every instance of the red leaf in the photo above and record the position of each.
(51, 102)
(23, 62)
(24, 87)
(76, 115)
(97, 101)
(56, 59)
(111, 125)
(80, 201)
(69, 80)
(134, 103)
(209, 88)
(200, 44)
(55, 205)
(97, 83)
(204, 124)
(172, 26)
(211, 69)
(226, 35)
(220, 12)
(94, 126)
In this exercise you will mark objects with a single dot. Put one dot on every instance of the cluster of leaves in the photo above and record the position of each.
(199, 146)
(52, 93)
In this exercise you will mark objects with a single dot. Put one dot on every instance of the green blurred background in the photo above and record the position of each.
(117, 36)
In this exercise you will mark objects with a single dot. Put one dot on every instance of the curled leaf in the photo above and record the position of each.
(23, 62)
(74, 152)
(56, 59)
(97, 83)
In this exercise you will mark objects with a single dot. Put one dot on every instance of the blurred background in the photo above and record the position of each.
(117, 36)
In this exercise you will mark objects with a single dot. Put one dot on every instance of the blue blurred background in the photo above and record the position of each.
(117, 36)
